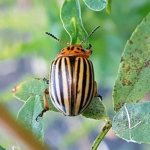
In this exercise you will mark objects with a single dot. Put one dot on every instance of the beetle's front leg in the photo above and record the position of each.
(46, 104)
(46, 80)
(95, 91)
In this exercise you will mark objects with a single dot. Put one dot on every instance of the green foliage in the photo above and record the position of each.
(96, 5)
(72, 21)
(30, 88)
(28, 114)
(31, 93)
(133, 82)
(96, 110)
(20, 36)
(132, 122)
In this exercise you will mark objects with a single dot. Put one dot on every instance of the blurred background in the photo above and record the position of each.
(26, 52)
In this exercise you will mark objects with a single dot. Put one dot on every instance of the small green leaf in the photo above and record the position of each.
(28, 113)
(133, 82)
(95, 110)
(96, 5)
(30, 88)
(72, 21)
(132, 122)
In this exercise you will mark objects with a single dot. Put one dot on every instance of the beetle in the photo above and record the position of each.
(71, 80)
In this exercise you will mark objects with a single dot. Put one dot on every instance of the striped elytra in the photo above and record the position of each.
(71, 82)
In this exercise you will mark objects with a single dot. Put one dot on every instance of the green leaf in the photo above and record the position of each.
(71, 18)
(31, 92)
(133, 82)
(28, 113)
(96, 5)
(132, 122)
(95, 110)
(30, 88)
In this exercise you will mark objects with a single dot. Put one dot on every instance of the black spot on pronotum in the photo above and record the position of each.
(72, 48)
(68, 48)
(82, 50)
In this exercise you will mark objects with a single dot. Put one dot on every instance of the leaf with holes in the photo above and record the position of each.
(132, 122)
(133, 82)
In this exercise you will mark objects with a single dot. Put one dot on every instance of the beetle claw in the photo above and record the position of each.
(46, 80)
(100, 97)
(42, 113)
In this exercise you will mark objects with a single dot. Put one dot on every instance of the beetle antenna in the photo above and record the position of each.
(53, 36)
(90, 34)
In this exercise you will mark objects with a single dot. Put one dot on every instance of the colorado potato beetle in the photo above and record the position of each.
(71, 80)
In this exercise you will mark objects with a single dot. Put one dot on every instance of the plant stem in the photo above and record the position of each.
(101, 135)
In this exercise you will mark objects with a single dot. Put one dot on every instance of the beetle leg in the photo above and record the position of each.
(46, 80)
(46, 104)
(95, 91)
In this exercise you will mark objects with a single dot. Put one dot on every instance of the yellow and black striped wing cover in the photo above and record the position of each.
(71, 84)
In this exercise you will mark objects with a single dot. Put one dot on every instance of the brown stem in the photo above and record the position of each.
(24, 137)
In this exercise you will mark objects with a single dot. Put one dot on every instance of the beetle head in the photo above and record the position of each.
(75, 50)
